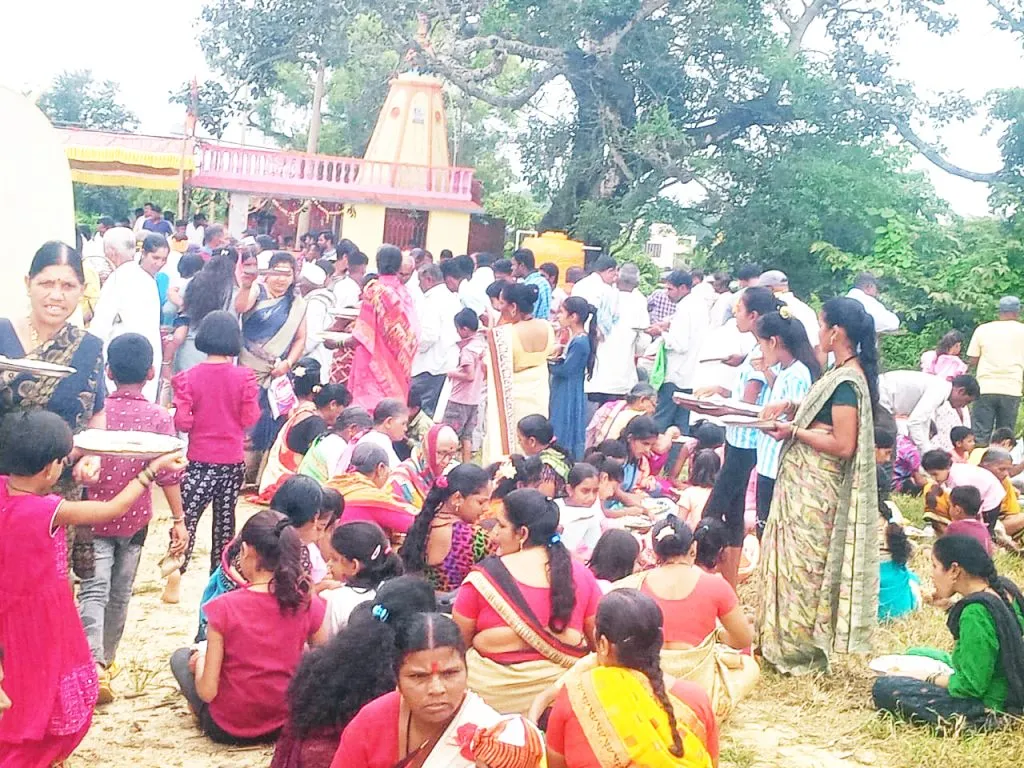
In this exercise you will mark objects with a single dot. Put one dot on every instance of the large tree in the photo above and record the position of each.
(75, 98)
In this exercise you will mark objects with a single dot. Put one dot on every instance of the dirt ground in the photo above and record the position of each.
(149, 725)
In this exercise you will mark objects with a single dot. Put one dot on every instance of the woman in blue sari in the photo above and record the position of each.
(273, 331)
(568, 403)
(56, 281)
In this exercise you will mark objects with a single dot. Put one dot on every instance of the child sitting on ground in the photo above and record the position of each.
(360, 559)
(614, 557)
(899, 590)
(580, 513)
(962, 439)
(48, 670)
(323, 459)
(463, 410)
(1008, 526)
(964, 512)
(694, 497)
(300, 499)
(947, 475)
(237, 684)
(117, 545)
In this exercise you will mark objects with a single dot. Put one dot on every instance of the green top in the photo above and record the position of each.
(844, 394)
(978, 673)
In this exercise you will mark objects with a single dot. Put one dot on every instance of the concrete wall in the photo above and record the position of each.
(364, 226)
(447, 229)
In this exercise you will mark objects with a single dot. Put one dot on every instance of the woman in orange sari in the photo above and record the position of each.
(362, 486)
(384, 336)
(626, 711)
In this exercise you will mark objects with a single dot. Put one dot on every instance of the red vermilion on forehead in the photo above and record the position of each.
(435, 668)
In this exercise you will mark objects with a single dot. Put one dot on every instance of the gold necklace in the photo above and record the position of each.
(33, 334)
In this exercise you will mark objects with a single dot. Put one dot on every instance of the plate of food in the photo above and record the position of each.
(339, 337)
(741, 420)
(37, 367)
(636, 522)
(909, 666)
(125, 444)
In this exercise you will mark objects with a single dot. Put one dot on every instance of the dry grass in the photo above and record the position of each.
(834, 712)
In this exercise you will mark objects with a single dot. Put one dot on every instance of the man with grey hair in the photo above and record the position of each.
(438, 350)
(371, 461)
(997, 348)
(615, 370)
(129, 302)
(779, 283)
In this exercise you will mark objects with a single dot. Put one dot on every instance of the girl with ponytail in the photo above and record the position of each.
(726, 502)
(237, 684)
(988, 650)
(670, 718)
(527, 614)
(568, 402)
(789, 366)
(825, 488)
(361, 559)
(537, 438)
(445, 542)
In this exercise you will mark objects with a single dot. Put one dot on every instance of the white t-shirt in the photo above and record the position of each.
(374, 438)
(615, 367)
(999, 347)
(340, 604)
(581, 527)
(988, 485)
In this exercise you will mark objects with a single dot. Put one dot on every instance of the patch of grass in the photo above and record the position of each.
(738, 757)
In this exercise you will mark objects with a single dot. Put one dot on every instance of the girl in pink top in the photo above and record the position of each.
(47, 669)
(944, 361)
(237, 685)
(215, 402)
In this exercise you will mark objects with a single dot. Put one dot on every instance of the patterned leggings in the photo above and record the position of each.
(221, 484)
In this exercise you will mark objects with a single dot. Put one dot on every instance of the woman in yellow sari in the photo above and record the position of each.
(626, 712)
(517, 370)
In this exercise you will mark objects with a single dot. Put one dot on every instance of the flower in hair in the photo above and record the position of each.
(506, 471)
(442, 482)
(376, 552)
(555, 539)
(664, 533)
(380, 613)
(299, 372)
(785, 312)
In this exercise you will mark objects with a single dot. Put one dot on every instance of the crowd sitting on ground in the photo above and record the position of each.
(493, 479)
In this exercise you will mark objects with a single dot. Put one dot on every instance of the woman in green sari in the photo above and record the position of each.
(819, 553)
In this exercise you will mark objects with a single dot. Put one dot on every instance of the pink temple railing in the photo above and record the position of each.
(250, 169)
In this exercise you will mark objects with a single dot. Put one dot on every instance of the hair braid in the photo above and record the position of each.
(652, 669)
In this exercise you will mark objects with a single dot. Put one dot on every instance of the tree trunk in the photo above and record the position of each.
(313, 140)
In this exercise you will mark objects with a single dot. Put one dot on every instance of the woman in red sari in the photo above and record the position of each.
(385, 337)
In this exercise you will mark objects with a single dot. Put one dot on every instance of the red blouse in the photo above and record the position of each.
(692, 619)
(370, 740)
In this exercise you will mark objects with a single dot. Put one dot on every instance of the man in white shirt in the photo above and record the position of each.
(599, 289)
(682, 340)
(438, 349)
(265, 248)
(348, 287)
(919, 402)
(196, 229)
(721, 310)
(779, 283)
(865, 290)
(475, 289)
(615, 367)
(140, 221)
(703, 289)
(129, 301)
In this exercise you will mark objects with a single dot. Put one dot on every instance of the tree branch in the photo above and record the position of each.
(611, 41)
(932, 154)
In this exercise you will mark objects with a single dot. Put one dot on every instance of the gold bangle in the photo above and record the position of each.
(142, 480)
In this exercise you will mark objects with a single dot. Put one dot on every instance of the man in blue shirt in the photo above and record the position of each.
(157, 223)
(524, 267)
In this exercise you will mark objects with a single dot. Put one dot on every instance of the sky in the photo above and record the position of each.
(115, 40)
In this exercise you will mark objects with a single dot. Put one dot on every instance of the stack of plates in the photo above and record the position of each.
(125, 444)
(37, 367)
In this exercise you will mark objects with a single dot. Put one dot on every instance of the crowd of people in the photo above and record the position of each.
(505, 514)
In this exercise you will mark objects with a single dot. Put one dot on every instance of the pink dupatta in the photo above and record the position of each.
(386, 344)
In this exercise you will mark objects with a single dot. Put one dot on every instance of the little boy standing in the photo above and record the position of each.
(117, 545)
(463, 409)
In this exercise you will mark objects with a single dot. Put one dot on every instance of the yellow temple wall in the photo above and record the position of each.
(364, 225)
(447, 229)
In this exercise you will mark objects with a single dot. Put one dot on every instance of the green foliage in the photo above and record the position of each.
(74, 98)
(633, 252)
(93, 201)
(518, 209)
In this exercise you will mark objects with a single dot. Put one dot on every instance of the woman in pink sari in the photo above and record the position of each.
(384, 337)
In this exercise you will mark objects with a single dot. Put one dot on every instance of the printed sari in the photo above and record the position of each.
(268, 330)
(625, 725)
(412, 479)
(282, 461)
(819, 552)
(512, 688)
(386, 343)
(609, 421)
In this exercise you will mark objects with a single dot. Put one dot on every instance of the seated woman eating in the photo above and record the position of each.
(365, 495)
(236, 686)
(988, 652)
(626, 711)
(528, 614)
(639, 485)
(335, 681)
(537, 438)
(433, 718)
(446, 542)
(611, 418)
(412, 479)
